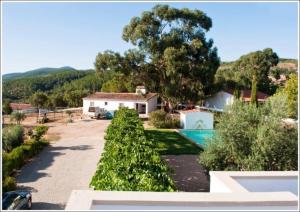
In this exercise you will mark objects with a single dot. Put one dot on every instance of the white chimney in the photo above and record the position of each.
(140, 90)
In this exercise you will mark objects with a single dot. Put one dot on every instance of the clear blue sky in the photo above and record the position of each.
(71, 34)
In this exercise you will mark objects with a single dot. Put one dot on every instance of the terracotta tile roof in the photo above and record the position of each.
(20, 106)
(121, 96)
(246, 95)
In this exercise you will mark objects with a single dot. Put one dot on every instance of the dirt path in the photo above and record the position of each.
(65, 165)
(188, 174)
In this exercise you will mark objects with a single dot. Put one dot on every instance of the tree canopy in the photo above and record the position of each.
(253, 138)
(173, 56)
(241, 73)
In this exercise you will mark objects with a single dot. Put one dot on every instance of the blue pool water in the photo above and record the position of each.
(198, 136)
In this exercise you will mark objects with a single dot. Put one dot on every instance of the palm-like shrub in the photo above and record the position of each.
(129, 162)
(18, 117)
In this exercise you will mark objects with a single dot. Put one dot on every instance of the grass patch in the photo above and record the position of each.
(169, 142)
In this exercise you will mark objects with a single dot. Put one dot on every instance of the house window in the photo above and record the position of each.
(92, 104)
(121, 104)
(105, 103)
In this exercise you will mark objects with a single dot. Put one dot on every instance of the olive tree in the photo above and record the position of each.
(253, 138)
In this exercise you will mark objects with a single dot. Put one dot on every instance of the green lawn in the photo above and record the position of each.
(169, 142)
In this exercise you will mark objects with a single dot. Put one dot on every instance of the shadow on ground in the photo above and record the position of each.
(33, 170)
(47, 206)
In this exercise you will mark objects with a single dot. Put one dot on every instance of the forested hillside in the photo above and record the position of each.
(21, 89)
(36, 73)
(69, 86)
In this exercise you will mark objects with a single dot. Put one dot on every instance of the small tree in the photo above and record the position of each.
(69, 112)
(254, 90)
(6, 108)
(18, 117)
(39, 132)
(291, 91)
(39, 100)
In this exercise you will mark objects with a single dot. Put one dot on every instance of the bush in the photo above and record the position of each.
(9, 184)
(16, 158)
(250, 138)
(44, 120)
(161, 119)
(12, 137)
(18, 116)
(39, 132)
(129, 162)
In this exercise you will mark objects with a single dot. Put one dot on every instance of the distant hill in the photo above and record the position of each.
(37, 73)
(284, 63)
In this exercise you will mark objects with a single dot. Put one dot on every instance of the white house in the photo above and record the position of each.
(141, 100)
(196, 119)
(223, 98)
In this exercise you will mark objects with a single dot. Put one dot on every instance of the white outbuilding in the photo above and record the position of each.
(196, 119)
(226, 97)
(141, 100)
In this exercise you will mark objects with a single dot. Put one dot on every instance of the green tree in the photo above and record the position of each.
(6, 108)
(257, 65)
(254, 91)
(18, 116)
(291, 90)
(74, 98)
(39, 100)
(253, 138)
(173, 56)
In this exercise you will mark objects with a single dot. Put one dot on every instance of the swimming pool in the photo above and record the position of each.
(198, 136)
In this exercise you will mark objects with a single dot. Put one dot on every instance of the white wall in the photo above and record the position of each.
(114, 104)
(152, 104)
(217, 185)
(269, 184)
(111, 105)
(197, 120)
(219, 100)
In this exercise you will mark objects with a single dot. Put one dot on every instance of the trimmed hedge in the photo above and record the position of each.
(129, 162)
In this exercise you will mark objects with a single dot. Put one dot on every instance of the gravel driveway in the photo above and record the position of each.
(64, 165)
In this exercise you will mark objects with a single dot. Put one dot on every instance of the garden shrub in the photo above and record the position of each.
(17, 157)
(12, 137)
(9, 184)
(161, 119)
(250, 138)
(44, 120)
(129, 162)
(39, 132)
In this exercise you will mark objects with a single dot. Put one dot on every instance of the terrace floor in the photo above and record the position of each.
(188, 174)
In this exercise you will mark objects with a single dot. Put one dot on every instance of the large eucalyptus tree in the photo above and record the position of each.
(172, 55)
